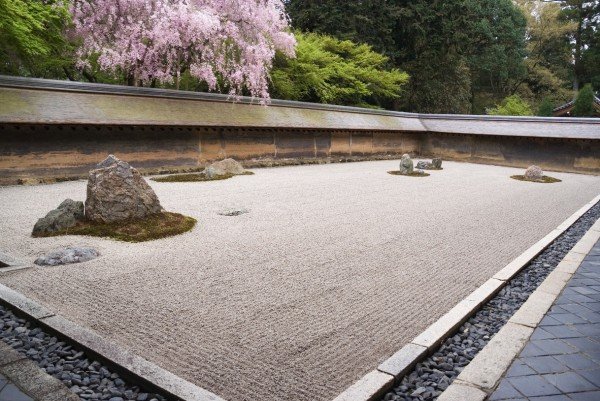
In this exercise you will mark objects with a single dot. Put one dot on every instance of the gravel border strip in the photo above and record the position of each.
(482, 375)
(72, 354)
(377, 382)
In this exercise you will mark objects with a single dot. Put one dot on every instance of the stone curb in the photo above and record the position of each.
(485, 371)
(129, 365)
(28, 377)
(412, 353)
(8, 263)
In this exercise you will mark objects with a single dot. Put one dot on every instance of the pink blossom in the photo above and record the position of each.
(229, 40)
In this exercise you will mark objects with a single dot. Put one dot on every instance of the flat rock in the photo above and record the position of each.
(233, 211)
(68, 213)
(423, 165)
(67, 256)
(116, 191)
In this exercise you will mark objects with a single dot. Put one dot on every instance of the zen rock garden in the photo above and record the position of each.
(120, 205)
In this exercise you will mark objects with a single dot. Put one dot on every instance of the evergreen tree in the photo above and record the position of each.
(586, 15)
(584, 104)
(546, 108)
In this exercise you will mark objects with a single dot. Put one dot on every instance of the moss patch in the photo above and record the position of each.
(545, 179)
(160, 225)
(198, 177)
(413, 174)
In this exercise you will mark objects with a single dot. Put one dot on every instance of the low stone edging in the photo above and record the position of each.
(375, 383)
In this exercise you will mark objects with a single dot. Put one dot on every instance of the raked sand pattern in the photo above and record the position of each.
(333, 269)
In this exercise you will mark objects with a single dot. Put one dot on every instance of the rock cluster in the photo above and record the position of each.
(67, 256)
(432, 376)
(87, 378)
(406, 165)
(435, 164)
(224, 167)
(116, 191)
(534, 173)
(68, 213)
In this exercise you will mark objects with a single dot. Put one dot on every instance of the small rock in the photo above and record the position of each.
(68, 213)
(436, 162)
(233, 211)
(67, 256)
(534, 173)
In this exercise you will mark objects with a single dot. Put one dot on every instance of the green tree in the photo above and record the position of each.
(482, 38)
(512, 106)
(32, 40)
(369, 22)
(545, 108)
(453, 50)
(548, 62)
(584, 103)
(329, 70)
(591, 61)
(585, 14)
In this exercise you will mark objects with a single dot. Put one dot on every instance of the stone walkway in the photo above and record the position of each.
(561, 361)
(10, 392)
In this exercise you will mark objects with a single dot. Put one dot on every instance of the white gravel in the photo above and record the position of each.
(334, 268)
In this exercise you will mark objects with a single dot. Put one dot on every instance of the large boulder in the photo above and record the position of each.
(436, 162)
(406, 165)
(224, 167)
(68, 213)
(534, 173)
(67, 256)
(116, 191)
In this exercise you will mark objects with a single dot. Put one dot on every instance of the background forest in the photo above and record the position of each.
(454, 56)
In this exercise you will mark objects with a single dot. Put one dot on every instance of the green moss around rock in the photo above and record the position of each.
(413, 174)
(156, 226)
(196, 177)
(545, 179)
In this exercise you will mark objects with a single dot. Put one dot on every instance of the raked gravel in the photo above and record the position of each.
(334, 269)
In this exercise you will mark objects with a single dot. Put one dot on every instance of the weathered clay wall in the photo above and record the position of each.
(558, 154)
(48, 152)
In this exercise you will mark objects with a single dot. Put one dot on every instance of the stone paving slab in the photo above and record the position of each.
(23, 380)
(561, 360)
(331, 272)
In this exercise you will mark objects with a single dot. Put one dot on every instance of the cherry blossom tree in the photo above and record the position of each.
(222, 42)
